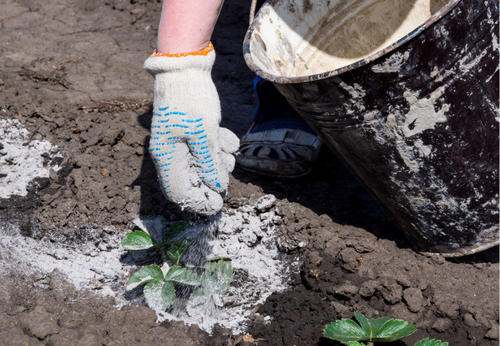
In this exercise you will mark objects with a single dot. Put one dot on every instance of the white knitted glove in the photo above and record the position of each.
(192, 154)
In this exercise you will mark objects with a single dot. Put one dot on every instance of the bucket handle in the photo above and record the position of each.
(253, 7)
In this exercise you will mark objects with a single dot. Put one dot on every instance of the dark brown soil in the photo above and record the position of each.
(364, 264)
(53, 313)
(71, 72)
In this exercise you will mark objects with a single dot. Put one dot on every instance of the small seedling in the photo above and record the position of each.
(370, 330)
(431, 342)
(159, 289)
(137, 240)
(169, 248)
(141, 240)
(176, 250)
(373, 330)
(160, 282)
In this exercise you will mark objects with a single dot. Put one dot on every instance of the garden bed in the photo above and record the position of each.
(71, 75)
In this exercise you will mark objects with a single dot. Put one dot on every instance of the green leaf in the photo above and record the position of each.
(431, 342)
(145, 274)
(393, 330)
(220, 272)
(355, 343)
(371, 326)
(176, 250)
(137, 240)
(368, 329)
(364, 323)
(344, 331)
(377, 324)
(168, 294)
(153, 292)
(183, 276)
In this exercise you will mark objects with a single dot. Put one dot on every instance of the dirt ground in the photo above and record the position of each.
(71, 73)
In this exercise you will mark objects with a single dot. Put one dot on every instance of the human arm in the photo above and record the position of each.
(192, 154)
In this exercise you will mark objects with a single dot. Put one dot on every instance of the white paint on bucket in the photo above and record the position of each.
(424, 113)
(392, 64)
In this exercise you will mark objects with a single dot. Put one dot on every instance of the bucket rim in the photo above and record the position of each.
(465, 251)
(313, 77)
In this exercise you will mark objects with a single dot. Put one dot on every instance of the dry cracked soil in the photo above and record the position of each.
(71, 73)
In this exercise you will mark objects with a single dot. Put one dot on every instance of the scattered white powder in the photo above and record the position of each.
(22, 159)
(93, 264)
(246, 236)
(94, 260)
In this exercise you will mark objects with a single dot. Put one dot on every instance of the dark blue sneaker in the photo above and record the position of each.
(279, 143)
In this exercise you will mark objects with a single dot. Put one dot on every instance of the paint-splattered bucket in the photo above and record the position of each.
(405, 91)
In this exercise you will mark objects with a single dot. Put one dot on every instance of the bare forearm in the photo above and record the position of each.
(187, 25)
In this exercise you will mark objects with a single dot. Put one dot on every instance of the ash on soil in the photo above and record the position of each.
(71, 72)
(245, 234)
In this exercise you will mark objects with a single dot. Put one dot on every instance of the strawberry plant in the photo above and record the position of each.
(137, 240)
(373, 330)
(350, 332)
(160, 283)
(431, 342)
(141, 240)
(159, 289)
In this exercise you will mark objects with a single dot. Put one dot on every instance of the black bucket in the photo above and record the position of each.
(409, 102)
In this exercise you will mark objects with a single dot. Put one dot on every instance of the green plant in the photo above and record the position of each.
(431, 342)
(137, 240)
(373, 330)
(352, 333)
(168, 247)
(142, 240)
(175, 251)
(160, 282)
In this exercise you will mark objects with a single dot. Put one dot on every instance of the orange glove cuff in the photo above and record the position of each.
(203, 52)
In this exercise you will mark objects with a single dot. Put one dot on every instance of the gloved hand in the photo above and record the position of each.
(192, 154)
